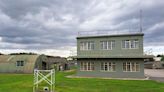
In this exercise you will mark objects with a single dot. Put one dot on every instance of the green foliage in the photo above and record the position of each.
(24, 83)
(162, 59)
(23, 53)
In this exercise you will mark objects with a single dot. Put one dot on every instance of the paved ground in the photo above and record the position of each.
(155, 74)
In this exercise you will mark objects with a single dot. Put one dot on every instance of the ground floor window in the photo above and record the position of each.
(108, 66)
(87, 66)
(131, 67)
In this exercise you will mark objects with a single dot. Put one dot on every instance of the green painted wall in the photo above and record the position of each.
(119, 69)
(117, 51)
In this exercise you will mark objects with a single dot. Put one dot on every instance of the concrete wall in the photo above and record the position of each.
(119, 69)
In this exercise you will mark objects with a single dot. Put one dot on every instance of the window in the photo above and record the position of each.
(130, 44)
(108, 66)
(20, 63)
(87, 45)
(131, 67)
(87, 66)
(107, 45)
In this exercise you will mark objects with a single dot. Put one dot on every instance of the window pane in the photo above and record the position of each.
(128, 66)
(109, 45)
(113, 66)
(137, 67)
(123, 44)
(127, 43)
(124, 66)
(105, 45)
(89, 66)
(136, 44)
(113, 44)
(106, 67)
(22, 63)
(85, 46)
(17, 63)
(89, 45)
(92, 45)
(133, 66)
(92, 65)
(132, 44)
(85, 66)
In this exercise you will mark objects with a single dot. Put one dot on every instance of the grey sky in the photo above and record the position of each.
(50, 26)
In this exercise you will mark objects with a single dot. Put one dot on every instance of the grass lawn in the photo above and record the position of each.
(24, 83)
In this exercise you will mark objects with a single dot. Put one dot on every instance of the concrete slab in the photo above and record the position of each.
(155, 74)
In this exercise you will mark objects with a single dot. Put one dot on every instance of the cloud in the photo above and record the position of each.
(49, 25)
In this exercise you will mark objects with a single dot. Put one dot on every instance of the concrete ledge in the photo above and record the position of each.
(74, 76)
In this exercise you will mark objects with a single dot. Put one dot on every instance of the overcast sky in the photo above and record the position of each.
(51, 26)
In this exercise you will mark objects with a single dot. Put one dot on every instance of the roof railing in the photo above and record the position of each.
(107, 32)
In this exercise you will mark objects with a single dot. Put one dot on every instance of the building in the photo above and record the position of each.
(156, 63)
(26, 63)
(58, 63)
(72, 62)
(22, 63)
(117, 55)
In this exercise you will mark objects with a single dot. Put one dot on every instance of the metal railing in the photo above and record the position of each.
(108, 32)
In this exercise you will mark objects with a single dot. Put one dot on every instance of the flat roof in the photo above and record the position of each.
(143, 57)
(110, 35)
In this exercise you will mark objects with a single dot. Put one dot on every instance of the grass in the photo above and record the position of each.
(23, 83)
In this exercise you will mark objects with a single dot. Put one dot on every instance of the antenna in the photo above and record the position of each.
(140, 20)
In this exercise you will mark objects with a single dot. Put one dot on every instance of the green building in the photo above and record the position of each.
(117, 56)
(22, 63)
(26, 63)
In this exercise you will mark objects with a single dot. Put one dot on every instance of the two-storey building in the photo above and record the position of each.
(117, 56)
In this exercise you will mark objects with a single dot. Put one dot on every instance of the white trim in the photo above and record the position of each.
(131, 68)
(87, 45)
(86, 66)
(135, 44)
(110, 67)
(19, 64)
(108, 43)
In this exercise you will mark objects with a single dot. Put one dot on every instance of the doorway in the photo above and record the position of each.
(44, 66)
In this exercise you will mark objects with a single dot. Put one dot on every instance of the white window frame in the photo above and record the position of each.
(130, 44)
(107, 45)
(86, 66)
(87, 45)
(20, 63)
(131, 67)
(111, 66)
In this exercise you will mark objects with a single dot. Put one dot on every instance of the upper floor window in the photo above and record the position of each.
(130, 44)
(20, 63)
(107, 45)
(131, 67)
(88, 45)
